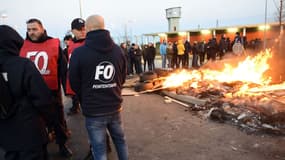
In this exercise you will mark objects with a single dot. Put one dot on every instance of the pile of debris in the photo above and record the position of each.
(264, 112)
(222, 102)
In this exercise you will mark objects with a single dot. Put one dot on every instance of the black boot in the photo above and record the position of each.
(64, 151)
(75, 106)
(73, 110)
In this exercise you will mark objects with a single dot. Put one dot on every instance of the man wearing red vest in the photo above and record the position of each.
(78, 30)
(47, 56)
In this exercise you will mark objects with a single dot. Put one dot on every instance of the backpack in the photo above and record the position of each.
(7, 108)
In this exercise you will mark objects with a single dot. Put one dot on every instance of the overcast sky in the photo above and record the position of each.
(140, 16)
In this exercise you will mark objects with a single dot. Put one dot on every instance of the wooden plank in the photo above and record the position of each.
(176, 101)
(129, 92)
(185, 98)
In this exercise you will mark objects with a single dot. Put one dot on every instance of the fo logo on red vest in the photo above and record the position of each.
(40, 59)
(105, 72)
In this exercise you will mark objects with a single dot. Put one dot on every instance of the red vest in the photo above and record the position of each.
(45, 57)
(71, 47)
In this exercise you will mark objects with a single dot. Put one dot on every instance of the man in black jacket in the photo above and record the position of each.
(47, 56)
(136, 56)
(187, 51)
(150, 56)
(78, 30)
(97, 72)
(23, 136)
(222, 46)
(67, 39)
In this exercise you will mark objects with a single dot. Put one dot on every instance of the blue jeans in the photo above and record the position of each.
(97, 127)
(163, 58)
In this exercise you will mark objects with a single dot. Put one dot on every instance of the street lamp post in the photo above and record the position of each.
(126, 30)
(80, 8)
(281, 26)
(126, 33)
(265, 26)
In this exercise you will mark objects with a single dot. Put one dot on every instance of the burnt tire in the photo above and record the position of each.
(143, 86)
(147, 76)
(161, 72)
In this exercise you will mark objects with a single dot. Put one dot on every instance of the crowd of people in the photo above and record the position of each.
(176, 54)
(91, 70)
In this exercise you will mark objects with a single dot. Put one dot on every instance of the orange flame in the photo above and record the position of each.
(177, 79)
(251, 70)
(268, 88)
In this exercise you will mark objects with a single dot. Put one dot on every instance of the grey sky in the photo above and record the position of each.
(140, 16)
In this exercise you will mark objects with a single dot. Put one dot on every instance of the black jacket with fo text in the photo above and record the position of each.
(97, 73)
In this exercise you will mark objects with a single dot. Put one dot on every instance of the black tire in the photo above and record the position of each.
(147, 76)
(143, 86)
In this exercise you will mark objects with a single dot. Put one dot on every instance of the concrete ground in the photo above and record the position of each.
(157, 130)
(160, 131)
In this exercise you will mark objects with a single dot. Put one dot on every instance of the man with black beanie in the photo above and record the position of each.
(47, 56)
(78, 30)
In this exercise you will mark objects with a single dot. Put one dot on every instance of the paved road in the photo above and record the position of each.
(159, 131)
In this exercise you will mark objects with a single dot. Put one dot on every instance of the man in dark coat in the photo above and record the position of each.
(222, 46)
(136, 56)
(238, 38)
(23, 136)
(97, 72)
(78, 30)
(212, 49)
(67, 39)
(150, 56)
(195, 49)
(125, 51)
(202, 52)
(188, 48)
(174, 61)
(144, 54)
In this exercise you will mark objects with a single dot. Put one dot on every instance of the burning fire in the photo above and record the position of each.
(268, 88)
(177, 79)
(249, 71)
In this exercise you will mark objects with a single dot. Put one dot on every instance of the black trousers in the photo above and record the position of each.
(180, 60)
(202, 57)
(150, 64)
(58, 123)
(174, 61)
(36, 154)
(185, 61)
(60, 127)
